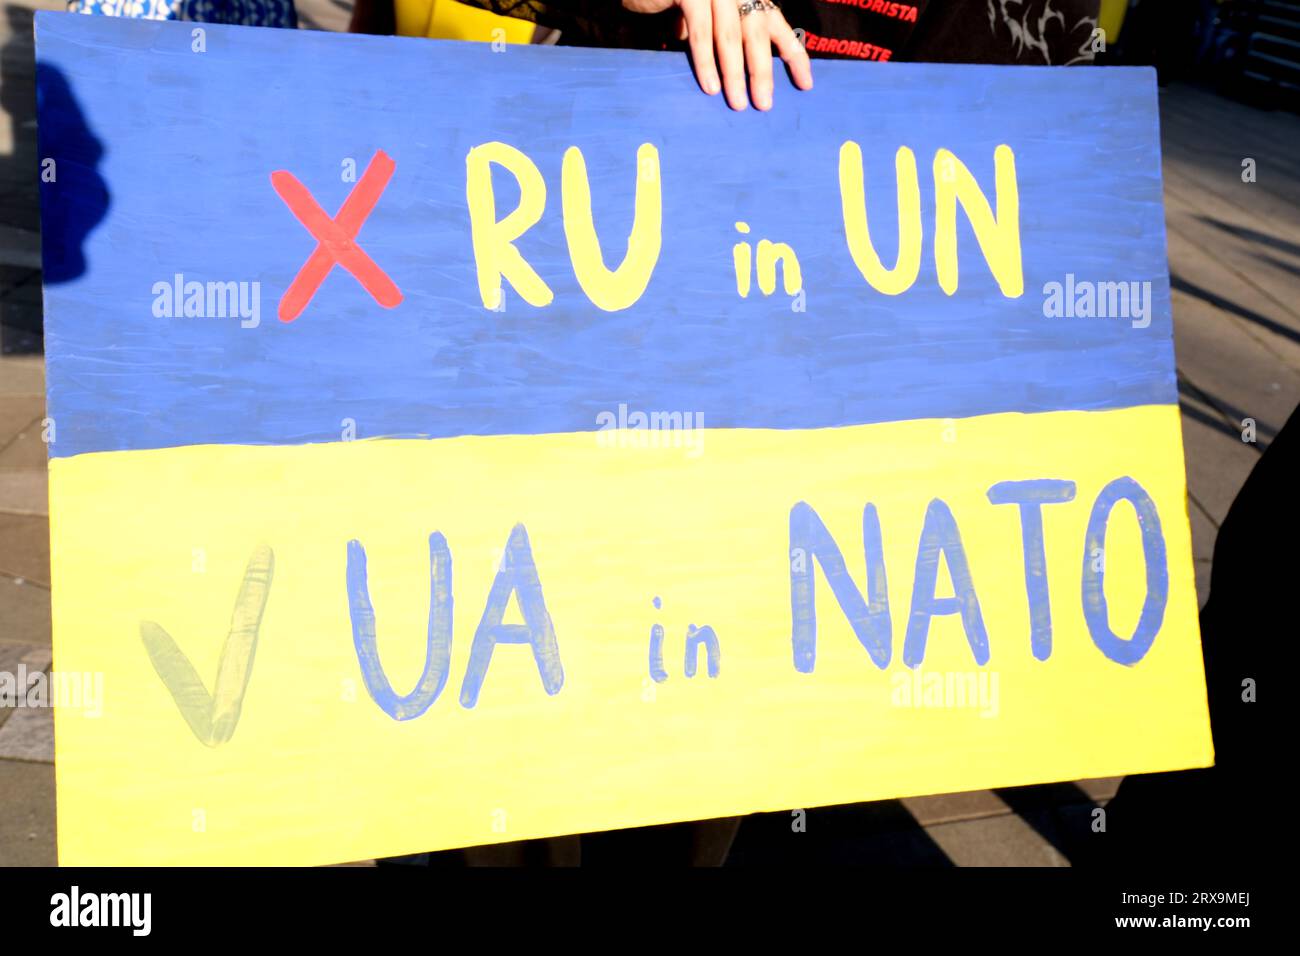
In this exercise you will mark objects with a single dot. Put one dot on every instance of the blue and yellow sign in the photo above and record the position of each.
(456, 444)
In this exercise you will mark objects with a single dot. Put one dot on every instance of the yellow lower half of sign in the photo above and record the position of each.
(315, 771)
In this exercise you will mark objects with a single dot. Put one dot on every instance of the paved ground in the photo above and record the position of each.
(1234, 252)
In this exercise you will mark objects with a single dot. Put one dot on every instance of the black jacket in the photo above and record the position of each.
(1031, 32)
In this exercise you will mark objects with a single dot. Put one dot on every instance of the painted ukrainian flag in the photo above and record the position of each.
(860, 478)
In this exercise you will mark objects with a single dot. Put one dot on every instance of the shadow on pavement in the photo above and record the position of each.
(1180, 284)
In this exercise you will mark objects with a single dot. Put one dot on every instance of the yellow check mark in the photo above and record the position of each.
(213, 717)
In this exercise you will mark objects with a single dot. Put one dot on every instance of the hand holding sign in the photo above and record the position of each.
(741, 33)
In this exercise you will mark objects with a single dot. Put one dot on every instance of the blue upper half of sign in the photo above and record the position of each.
(163, 138)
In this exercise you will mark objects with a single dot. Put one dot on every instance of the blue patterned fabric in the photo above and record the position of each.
(251, 13)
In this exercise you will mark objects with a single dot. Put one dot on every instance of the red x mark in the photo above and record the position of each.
(336, 238)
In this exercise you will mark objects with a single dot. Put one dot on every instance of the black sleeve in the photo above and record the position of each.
(1024, 32)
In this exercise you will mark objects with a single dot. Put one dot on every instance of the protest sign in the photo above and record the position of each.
(454, 445)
